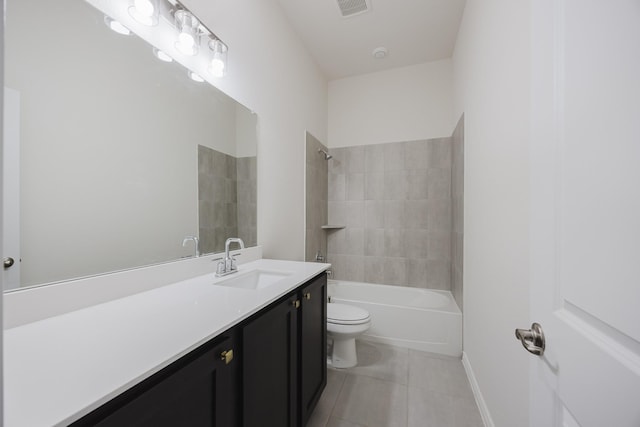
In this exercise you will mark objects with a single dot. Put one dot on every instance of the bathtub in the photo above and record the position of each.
(421, 319)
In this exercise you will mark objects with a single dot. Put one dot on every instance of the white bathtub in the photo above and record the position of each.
(421, 319)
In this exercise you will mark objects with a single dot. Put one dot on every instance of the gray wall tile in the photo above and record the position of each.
(336, 187)
(439, 245)
(439, 153)
(316, 198)
(374, 242)
(394, 242)
(374, 213)
(394, 214)
(439, 186)
(374, 270)
(395, 185)
(395, 271)
(439, 274)
(354, 241)
(416, 155)
(415, 214)
(374, 158)
(394, 157)
(374, 185)
(417, 273)
(354, 212)
(354, 186)
(417, 185)
(457, 206)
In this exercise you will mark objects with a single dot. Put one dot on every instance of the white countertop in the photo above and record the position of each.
(59, 369)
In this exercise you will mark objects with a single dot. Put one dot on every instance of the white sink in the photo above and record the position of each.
(254, 279)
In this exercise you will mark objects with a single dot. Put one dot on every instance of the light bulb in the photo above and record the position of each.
(144, 7)
(116, 26)
(216, 68)
(188, 36)
(196, 77)
(186, 42)
(161, 55)
(145, 12)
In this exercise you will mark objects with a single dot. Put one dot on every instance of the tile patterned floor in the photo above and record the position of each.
(397, 387)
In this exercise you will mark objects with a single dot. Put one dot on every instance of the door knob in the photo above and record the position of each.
(532, 339)
(8, 262)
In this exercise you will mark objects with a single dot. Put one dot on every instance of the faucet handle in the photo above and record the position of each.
(220, 269)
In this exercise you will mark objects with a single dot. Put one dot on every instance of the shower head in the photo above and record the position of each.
(327, 156)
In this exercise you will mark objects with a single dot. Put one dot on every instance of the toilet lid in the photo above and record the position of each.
(346, 314)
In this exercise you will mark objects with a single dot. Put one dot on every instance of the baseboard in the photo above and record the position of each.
(482, 406)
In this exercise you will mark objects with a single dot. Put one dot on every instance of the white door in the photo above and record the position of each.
(11, 190)
(585, 212)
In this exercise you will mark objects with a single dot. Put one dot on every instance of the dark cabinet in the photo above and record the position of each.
(267, 371)
(285, 359)
(313, 345)
(200, 389)
(270, 360)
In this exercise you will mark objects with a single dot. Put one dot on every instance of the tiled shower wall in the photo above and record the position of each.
(395, 202)
(226, 199)
(316, 199)
(457, 204)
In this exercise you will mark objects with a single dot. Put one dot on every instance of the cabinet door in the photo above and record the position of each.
(313, 345)
(270, 343)
(197, 390)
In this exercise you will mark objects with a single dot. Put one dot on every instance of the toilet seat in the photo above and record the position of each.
(342, 314)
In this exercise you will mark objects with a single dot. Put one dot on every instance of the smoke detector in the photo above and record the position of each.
(353, 7)
(380, 52)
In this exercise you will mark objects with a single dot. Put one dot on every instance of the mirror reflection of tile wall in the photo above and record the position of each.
(226, 199)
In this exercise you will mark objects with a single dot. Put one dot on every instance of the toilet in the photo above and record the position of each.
(344, 324)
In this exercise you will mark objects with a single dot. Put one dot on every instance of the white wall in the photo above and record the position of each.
(271, 73)
(402, 104)
(491, 84)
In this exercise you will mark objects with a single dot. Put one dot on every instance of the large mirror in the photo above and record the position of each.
(121, 156)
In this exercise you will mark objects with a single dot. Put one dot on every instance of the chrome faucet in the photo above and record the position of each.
(228, 264)
(196, 242)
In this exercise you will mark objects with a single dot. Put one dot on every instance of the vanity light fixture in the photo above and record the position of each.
(116, 26)
(195, 77)
(174, 27)
(218, 64)
(188, 32)
(161, 55)
(145, 12)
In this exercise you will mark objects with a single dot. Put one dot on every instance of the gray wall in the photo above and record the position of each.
(395, 201)
(457, 205)
(316, 199)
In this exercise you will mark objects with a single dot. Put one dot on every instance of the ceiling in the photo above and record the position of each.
(413, 31)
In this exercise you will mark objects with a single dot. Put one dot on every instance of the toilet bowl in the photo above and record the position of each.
(344, 324)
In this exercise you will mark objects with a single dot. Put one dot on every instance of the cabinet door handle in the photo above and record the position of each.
(227, 356)
(307, 295)
(296, 303)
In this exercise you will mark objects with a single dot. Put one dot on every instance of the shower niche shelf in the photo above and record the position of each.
(332, 227)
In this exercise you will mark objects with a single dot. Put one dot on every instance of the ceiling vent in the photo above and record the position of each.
(353, 7)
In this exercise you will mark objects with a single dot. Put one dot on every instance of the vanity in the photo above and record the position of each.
(122, 157)
(248, 349)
